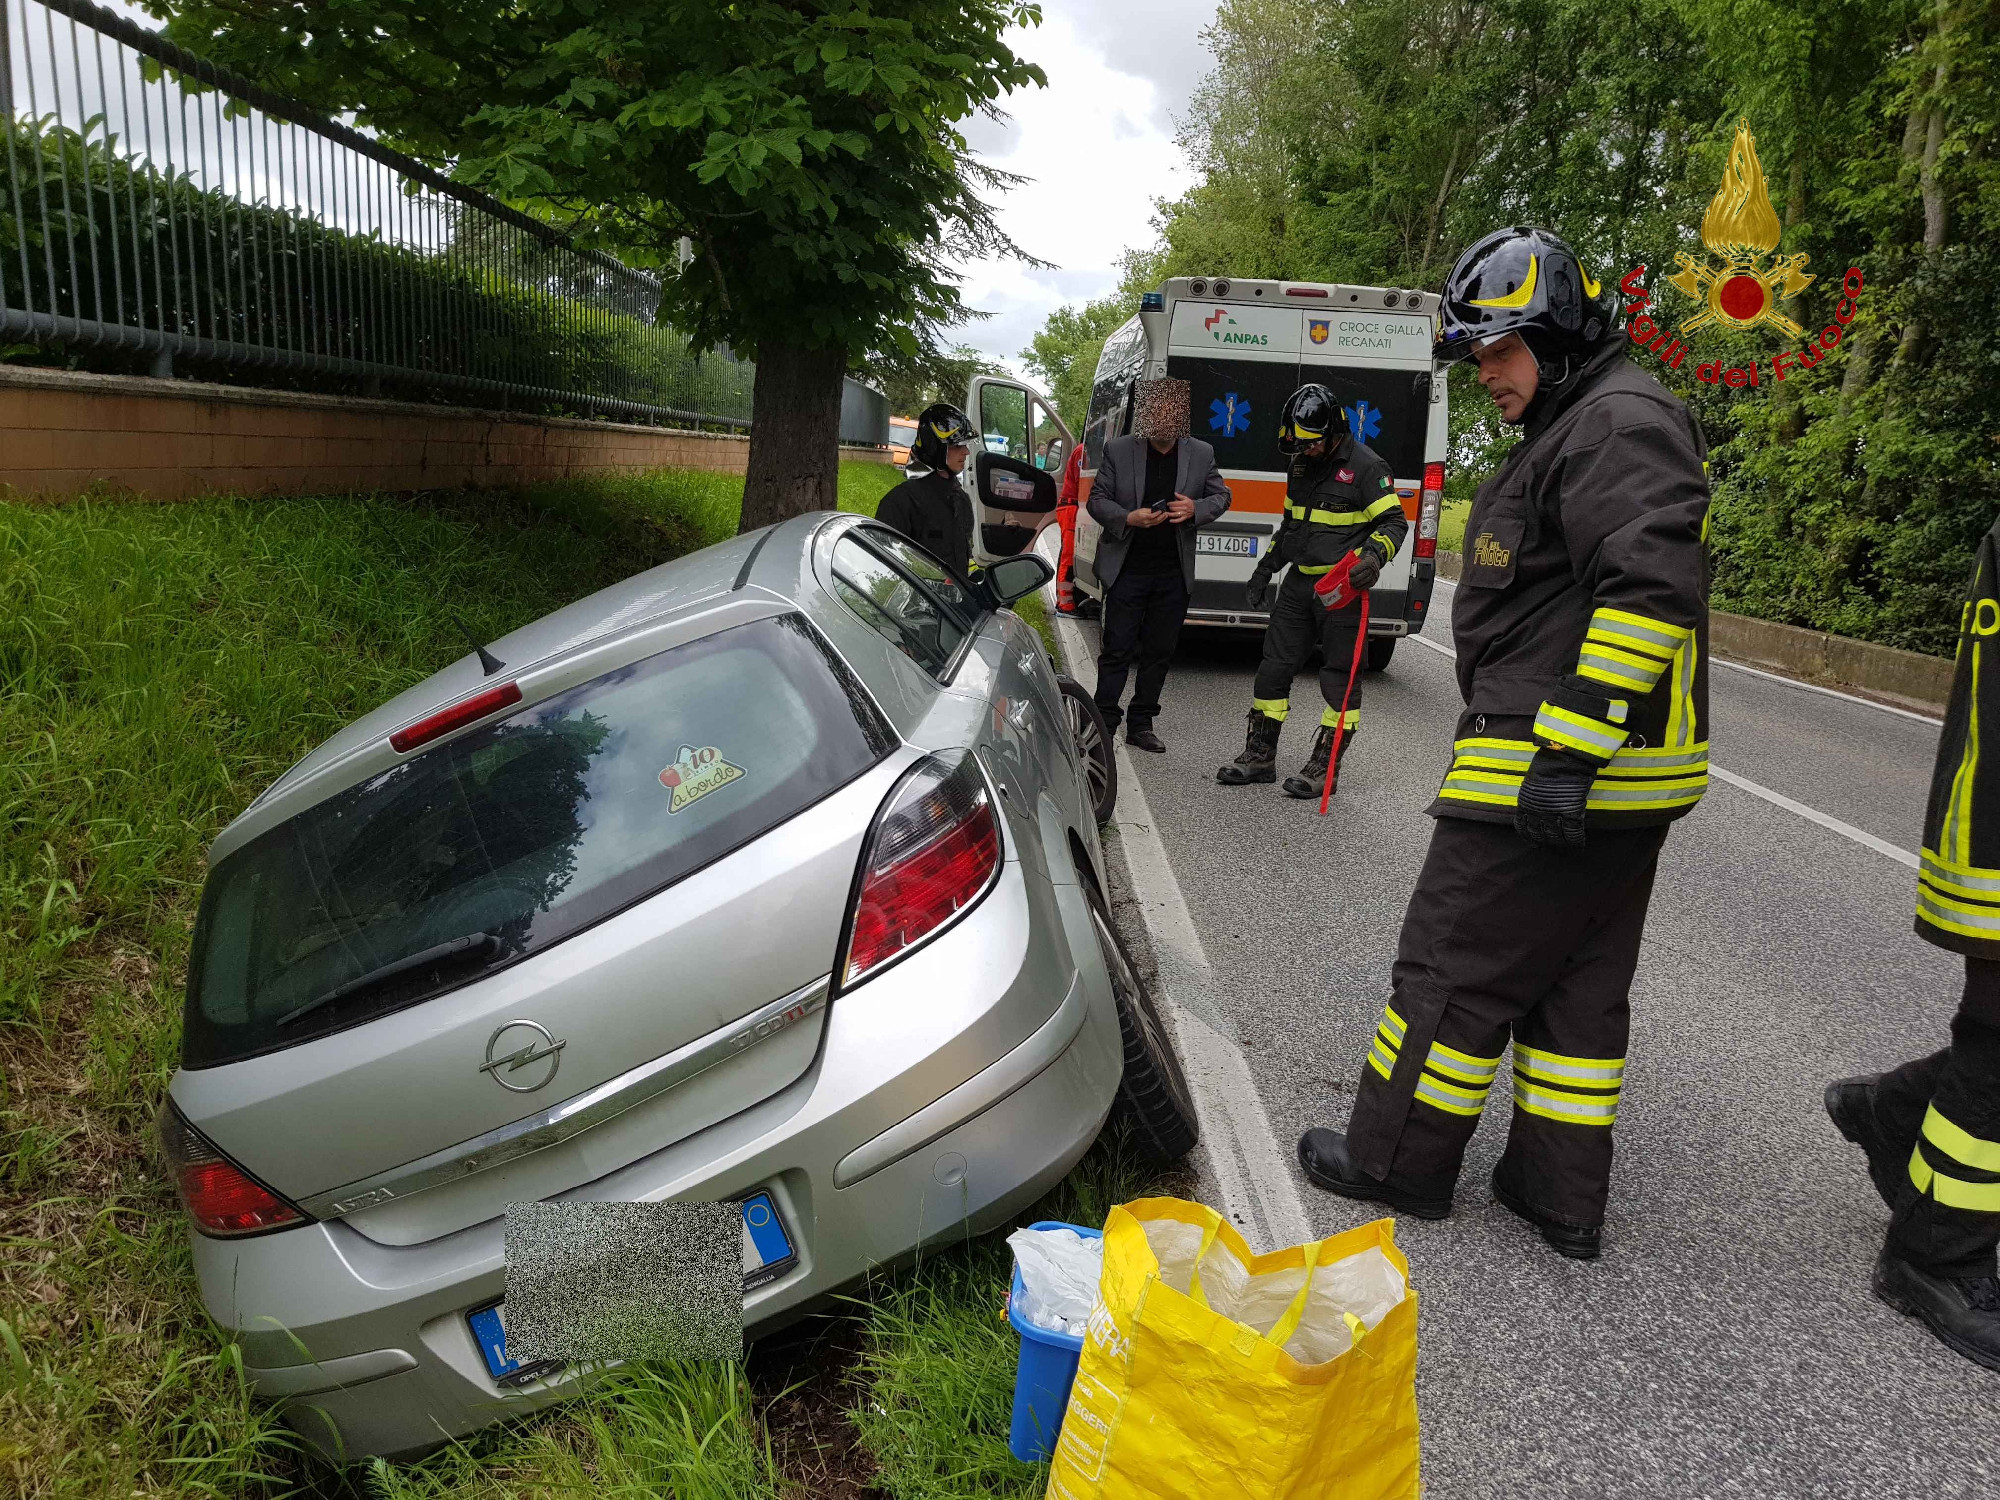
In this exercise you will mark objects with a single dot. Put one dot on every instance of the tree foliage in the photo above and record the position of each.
(911, 385)
(1063, 354)
(1370, 141)
(809, 152)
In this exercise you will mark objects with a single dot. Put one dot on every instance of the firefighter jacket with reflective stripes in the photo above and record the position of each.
(1338, 504)
(1958, 882)
(1581, 619)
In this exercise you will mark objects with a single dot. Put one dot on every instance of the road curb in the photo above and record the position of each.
(1240, 1152)
(1909, 678)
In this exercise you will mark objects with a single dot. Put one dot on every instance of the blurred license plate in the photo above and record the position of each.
(767, 1254)
(1225, 546)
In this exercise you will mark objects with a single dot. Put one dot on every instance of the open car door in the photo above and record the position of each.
(1016, 464)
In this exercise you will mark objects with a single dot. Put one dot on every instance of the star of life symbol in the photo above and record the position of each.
(1364, 421)
(1229, 414)
(1740, 229)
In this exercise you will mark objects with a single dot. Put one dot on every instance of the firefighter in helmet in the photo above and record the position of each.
(1931, 1128)
(1339, 499)
(1581, 626)
(933, 509)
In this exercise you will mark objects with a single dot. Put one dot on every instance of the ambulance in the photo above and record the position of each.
(1246, 345)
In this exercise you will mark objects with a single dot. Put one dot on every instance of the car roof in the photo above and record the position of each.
(775, 559)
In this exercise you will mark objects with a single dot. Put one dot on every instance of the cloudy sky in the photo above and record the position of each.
(1098, 143)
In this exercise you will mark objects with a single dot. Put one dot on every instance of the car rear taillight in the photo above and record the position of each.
(223, 1199)
(460, 714)
(933, 852)
(1305, 291)
(1427, 510)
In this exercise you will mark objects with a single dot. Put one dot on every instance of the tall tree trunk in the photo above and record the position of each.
(1928, 187)
(1792, 412)
(794, 433)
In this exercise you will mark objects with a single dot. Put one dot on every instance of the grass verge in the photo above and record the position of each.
(1451, 525)
(160, 665)
(935, 1384)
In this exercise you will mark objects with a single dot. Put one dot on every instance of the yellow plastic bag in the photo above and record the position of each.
(1208, 1372)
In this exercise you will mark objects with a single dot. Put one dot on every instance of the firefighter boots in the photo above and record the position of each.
(1577, 1241)
(1963, 1311)
(1851, 1104)
(1259, 760)
(1323, 1154)
(1311, 777)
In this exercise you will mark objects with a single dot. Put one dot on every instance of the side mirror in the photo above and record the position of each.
(1014, 578)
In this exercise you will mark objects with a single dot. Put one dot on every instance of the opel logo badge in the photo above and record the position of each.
(515, 1054)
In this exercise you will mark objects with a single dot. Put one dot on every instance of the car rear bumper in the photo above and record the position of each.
(949, 1091)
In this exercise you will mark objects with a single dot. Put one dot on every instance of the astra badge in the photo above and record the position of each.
(516, 1054)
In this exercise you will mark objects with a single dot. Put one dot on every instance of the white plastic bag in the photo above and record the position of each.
(1059, 1273)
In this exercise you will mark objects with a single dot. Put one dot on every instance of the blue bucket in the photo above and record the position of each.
(1043, 1377)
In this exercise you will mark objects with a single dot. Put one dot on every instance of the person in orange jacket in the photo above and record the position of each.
(1067, 500)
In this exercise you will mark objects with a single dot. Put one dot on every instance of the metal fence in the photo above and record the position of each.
(158, 211)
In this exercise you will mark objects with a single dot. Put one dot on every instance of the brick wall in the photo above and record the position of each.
(167, 439)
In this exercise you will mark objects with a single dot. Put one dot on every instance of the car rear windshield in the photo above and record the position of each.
(503, 841)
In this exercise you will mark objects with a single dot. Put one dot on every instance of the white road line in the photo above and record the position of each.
(1251, 1170)
(1813, 687)
(1779, 799)
(1814, 815)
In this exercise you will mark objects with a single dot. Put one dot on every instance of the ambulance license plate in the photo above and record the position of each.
(1225, 546)
(768, 1253)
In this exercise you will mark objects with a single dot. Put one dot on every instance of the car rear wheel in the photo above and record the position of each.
(1380, 649)
(1154, 1094)
(1093, 747)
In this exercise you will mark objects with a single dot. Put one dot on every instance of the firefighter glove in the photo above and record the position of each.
(1258, 594)
(1367, 568)
(1554, 794)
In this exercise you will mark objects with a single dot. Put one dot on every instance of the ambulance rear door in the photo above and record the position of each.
(1241, 361)
(1016, 465)
(1378, 363)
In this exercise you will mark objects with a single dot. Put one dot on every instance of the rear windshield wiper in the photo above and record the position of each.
(472, 945)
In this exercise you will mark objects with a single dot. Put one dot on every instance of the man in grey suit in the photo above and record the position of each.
(1153, 490)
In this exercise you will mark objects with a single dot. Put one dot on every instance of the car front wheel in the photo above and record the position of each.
(1093, 747)
(1154, 1093)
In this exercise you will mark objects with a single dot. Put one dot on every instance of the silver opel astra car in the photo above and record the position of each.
(769, 876)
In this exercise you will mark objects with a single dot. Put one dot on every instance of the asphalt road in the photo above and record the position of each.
(1727, 1343)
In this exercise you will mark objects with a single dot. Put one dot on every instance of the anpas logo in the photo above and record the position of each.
(1220, 325)
(1739, 290)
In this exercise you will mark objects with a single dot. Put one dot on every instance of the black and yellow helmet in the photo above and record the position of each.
(1311, 412)
(938, 428)
(1525, 281)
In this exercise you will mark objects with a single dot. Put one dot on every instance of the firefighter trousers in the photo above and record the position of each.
(1298, 623)
(1506, 939)
(1945, 1110)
